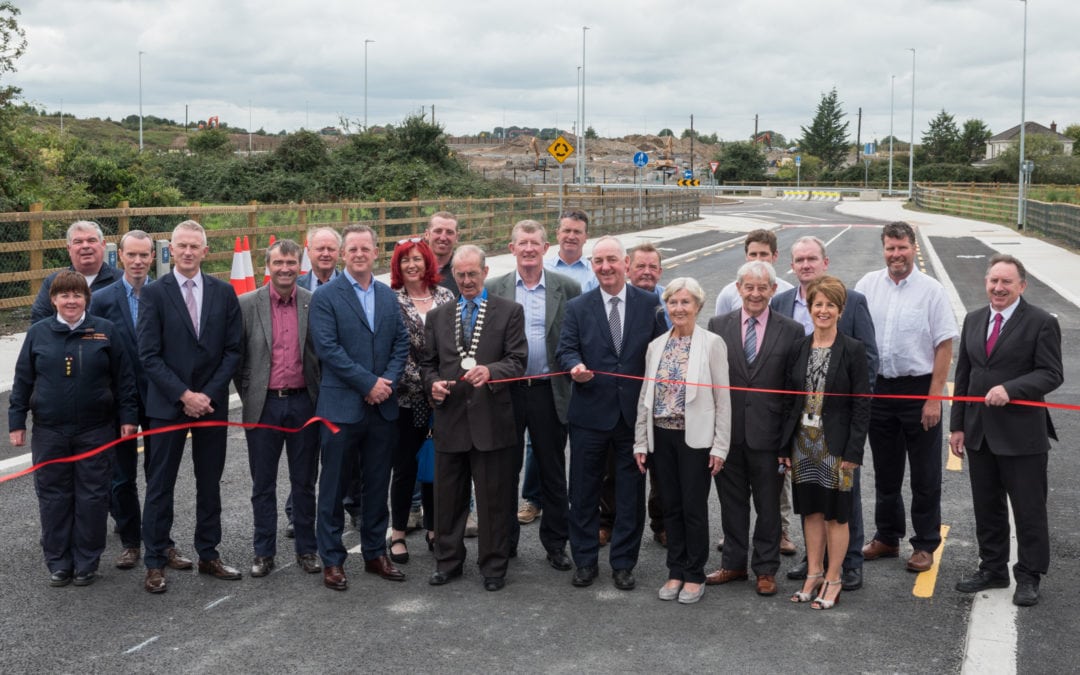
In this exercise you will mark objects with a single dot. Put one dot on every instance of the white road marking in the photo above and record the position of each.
(216, 602)
(141, 645)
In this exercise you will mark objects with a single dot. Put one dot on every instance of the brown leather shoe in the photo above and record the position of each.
(879, 549)
(127, 559)
(155, 580)
(766, 584)
(262, 565)
(333, 577)
(309, 562)
(219, 570)
(384, 568)
(604, 536)
(177, 560)
(920, 561)
(786, 545)
(722, 576)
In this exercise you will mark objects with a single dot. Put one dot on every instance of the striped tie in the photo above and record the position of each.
(750, 340)
(616, 325)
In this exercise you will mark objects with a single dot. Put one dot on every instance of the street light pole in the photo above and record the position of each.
(892, 101)
(577, 125)
(911, 148)
(140, 102)
(1023, 123)
(584, 159)
(366, 43)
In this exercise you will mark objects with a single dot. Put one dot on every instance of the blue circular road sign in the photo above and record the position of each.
(640, 159)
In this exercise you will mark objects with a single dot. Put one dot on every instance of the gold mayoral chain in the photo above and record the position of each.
(468, 358)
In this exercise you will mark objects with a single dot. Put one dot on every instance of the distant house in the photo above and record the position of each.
(1006, 139)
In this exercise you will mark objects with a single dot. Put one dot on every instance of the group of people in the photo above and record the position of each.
(771, 403)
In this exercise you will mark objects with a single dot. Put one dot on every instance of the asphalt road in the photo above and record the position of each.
(287, 622)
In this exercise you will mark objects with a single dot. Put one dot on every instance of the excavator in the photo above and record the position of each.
(666, 161)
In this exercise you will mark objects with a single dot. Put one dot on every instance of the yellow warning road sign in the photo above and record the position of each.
(560, 149)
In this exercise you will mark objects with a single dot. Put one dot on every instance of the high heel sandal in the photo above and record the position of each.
(807, 596)
(820, 602)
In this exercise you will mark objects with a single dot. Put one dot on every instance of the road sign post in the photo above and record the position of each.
(560, 149)
(798, 171)
(640, 160)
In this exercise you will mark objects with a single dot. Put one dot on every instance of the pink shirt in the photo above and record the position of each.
(286, 364)
(762, 319)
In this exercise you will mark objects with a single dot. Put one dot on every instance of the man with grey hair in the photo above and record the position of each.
(324, 249)
(758, 343)
(86, 249)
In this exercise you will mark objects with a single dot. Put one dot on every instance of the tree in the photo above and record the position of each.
(1073, 132)
(301, 152)
(210, 142)
(973, 138)
(826, 136)
(665, 132)
(741, 161)
(590, 133)
(941, 141)
(12, 46)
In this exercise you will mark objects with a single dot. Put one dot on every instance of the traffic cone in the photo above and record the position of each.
(236, 275)
(249, 269)
(305, 260)
(266, 269)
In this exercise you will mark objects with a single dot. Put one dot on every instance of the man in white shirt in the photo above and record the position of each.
(915, 327)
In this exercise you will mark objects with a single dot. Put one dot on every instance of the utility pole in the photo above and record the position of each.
(892, 100)
(691, 145)
(584, 157)
(858, 138)
(911, 148)
(755, 127)
(140, 102)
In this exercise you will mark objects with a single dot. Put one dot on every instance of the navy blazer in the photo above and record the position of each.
(43, 306)
(174, 359)
(111, 303)
(586, 338)
(855, 321)
(353, 354)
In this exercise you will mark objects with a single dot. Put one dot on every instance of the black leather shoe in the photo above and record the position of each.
(513, 551)
(309, 562)
(61, 578)
(262, 565)
(494, 583)
(852, 579)
(798, 572)
(1026, 594)
(290, 531)
(584, 576)
(559, 560)
(439, 577)
(85, 578)
(980, 581)
(624, 579)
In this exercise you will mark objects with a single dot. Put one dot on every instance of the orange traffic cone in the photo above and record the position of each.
(266, 269)
(236, 275)
(249, 269)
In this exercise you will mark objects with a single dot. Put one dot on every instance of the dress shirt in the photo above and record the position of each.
(911, 319)
(132, 299)
(312, 282)
(801, 312)
(533, 300)
(286, 363)
(1006, 314)
(663, 305)
(759, 328)
(729, 300)
(196, 289)
(71, 326)
(621, 307)
(365, 296)
(580, 271)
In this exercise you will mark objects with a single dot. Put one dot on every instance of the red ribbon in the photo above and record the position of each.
(173, 427)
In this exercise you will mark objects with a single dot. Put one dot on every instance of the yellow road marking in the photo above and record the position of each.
(953, 463)
(926, 581)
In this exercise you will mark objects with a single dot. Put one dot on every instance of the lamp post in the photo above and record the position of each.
(1020, 210)
(584, 160)
(140, 102)
(577, 124)
(892, 101)
(366, 43)
(911, 149)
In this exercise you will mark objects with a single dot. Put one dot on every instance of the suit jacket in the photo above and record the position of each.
(845, 419)
(558, 290)
(586, 338)
(353, 353)
(310, 282)
(111, 303)
(43, 306)
(475, 417)
(175, 359)
(253, 377)
(1026, 360)
(855, 322)
(708, 407)
(756, 417)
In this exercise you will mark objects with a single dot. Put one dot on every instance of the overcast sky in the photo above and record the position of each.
(487, 63)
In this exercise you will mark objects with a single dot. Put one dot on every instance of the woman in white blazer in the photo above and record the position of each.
(683, 432)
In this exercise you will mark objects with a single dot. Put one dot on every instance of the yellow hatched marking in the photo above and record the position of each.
(926, 581)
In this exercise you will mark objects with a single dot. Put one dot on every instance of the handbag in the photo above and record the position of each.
(425, 459)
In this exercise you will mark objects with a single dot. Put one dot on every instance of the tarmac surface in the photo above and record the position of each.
(287, 622)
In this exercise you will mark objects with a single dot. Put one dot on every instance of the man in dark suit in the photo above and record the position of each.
(540, 403)
(278, 383)
(809, 262)
(190, 345)
(468, 344)
(119, 303)
(86, 249)
(324, 246)
(1009, 350)
(362, 342)
(607, 329)
(758, 343)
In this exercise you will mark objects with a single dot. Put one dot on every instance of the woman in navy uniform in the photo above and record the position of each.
(72, 376)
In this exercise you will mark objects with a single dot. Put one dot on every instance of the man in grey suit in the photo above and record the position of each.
(278, 383)
(540, 403)
(809, 262)
(758, 343)
(1009, 350)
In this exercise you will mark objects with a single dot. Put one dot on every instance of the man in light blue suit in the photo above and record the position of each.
(361, 340)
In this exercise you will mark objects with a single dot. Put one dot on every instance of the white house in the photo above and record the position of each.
(1006, 139)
